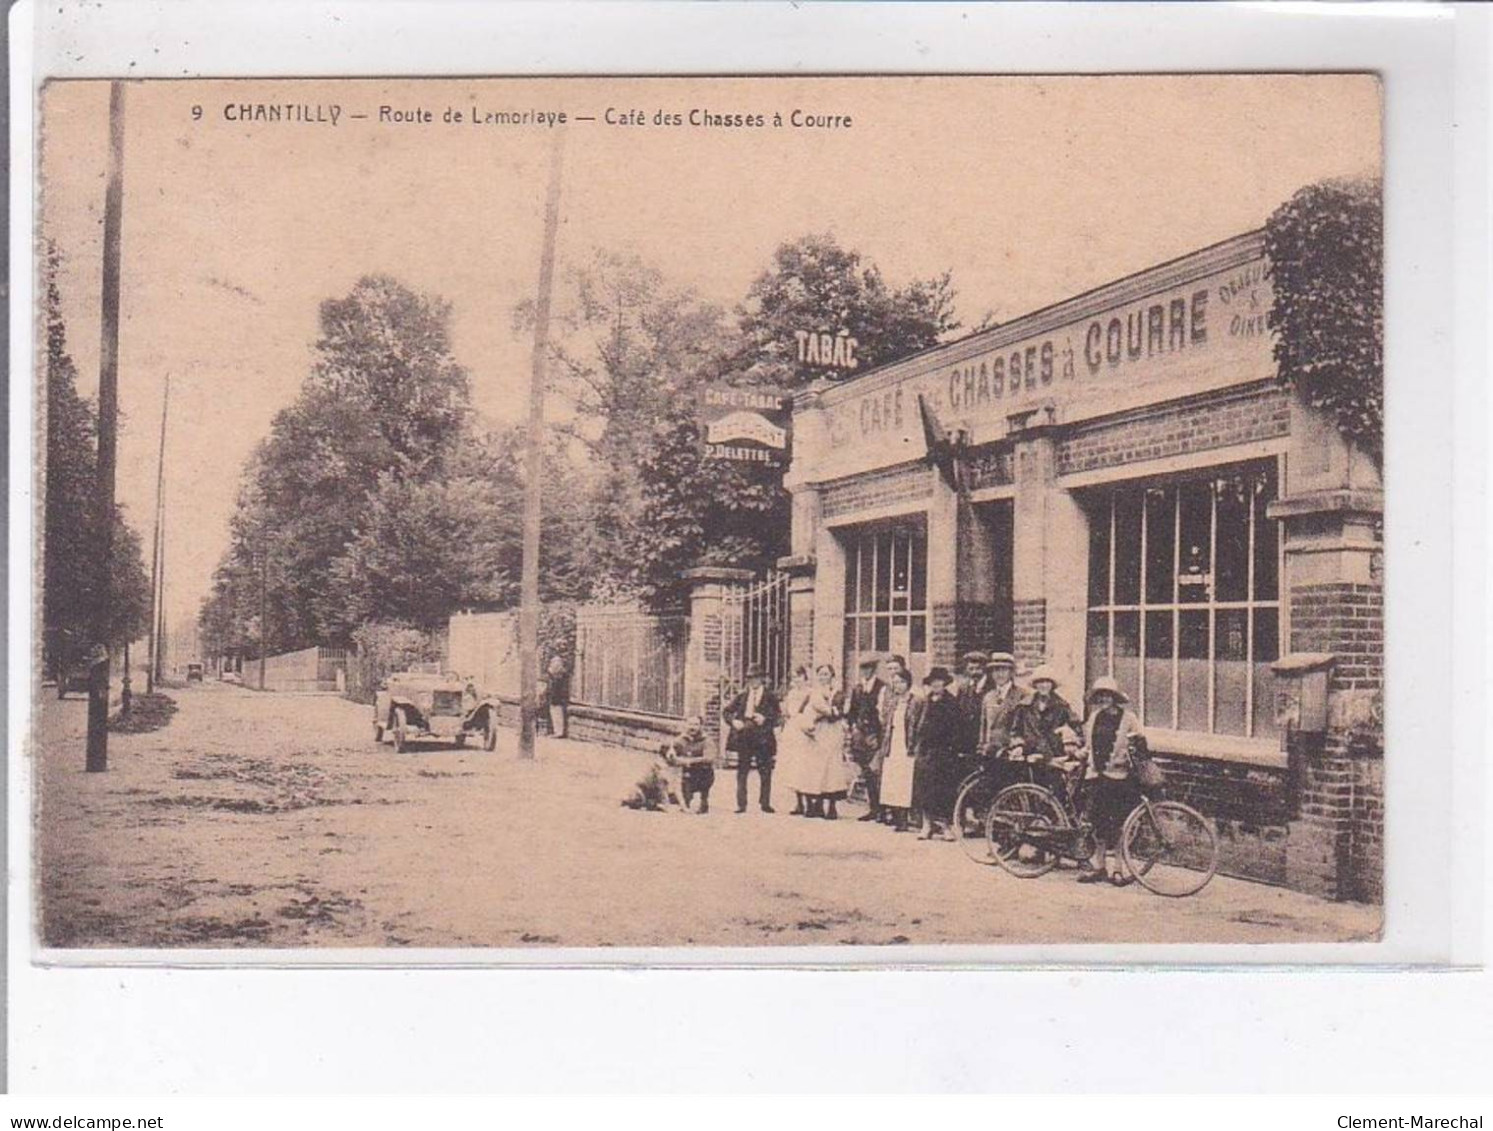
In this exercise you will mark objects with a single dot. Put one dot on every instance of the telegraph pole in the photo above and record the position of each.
(264, 605)
(157, 589)
(97, 759)
(528, 613)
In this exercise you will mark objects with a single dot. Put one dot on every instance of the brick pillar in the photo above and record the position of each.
(1329, 514)
(705, 659)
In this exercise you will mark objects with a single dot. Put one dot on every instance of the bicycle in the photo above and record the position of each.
(1167, 846)
(978, 790)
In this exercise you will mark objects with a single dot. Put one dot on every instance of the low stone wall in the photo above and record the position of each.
(629, 729)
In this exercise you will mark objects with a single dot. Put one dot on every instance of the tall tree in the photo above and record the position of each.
(70, 598)
(628, 348)
(1326, 249)
(385, 399)
(700, 510)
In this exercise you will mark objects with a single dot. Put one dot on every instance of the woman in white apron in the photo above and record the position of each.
(897, 750)
(825, 777)
(794, 739)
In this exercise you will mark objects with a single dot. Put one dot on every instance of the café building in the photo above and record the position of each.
(1118, 484)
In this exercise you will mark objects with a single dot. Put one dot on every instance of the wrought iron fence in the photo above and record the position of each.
(630, 660)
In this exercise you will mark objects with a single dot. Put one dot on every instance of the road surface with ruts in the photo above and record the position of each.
(270, 820)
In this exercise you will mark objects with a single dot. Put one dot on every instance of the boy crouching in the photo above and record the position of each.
(687, 753)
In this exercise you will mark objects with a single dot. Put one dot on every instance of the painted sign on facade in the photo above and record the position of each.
(1205, 333)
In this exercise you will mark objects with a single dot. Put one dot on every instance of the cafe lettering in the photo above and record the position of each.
(1116, 485)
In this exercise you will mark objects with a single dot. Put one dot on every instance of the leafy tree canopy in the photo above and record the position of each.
(815, 284)
(1326, 248)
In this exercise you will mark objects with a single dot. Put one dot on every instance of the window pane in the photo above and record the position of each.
(919, 571)
(1231, 670)
(850, 658)
(1235, 497)
(1192, 674)
(1196, 503)
(1127, 548)
(1161, 644)
(1266, 648)
(883, 572)
(917, 635)
(867, 634)
(883, 634)
(1267, 534)
(867, 551)
(1127, 652)
(1099, 554)
(901, 547)
(1098, 652)
(1161, 544)
(852, 555)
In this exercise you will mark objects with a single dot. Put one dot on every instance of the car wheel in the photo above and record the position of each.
(490, 732)
(378, 733)
(401, 732)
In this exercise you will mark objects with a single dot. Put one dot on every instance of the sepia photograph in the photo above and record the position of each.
(703, 512)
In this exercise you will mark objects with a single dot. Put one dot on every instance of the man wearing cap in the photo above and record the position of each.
(998, 708)
(969, 692)
(866, 719)
(752, 716)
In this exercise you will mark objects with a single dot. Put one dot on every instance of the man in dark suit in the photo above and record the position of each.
(866, 719)
(752, 716)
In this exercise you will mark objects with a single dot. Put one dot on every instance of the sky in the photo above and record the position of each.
(1028, 189)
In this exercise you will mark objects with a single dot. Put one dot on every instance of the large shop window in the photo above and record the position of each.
(1184, 598)
(886, 593)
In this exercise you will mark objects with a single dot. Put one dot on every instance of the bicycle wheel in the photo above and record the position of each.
(1026, 830)
(971, 807)
(1169, 847)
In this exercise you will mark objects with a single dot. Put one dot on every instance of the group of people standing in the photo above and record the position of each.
(913, 746)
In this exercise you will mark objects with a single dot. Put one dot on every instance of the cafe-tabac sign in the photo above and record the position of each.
(1205, 333)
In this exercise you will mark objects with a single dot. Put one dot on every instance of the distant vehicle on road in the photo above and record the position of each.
(194, 672)
(416, 705)
(231, 676)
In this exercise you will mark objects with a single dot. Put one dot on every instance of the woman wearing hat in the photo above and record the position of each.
(899, 744)
(936, 774)
(1037, 723)
(1111, 790)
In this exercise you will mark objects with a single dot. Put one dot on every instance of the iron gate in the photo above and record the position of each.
(755, 632)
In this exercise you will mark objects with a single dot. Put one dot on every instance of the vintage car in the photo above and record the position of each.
(194, 672)
(415, 705)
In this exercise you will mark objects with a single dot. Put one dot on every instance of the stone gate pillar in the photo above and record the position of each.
(705, 660)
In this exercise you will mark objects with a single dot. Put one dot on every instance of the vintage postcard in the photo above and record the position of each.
(709, 512)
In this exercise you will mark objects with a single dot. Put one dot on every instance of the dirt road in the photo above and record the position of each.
(265, 820)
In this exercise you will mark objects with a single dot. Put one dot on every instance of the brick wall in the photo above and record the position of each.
(1233, 418)
(1250, 807)
(904, 483)
(1366, 848)
(960, 627)
(1029, 631)
(1337, 839)
(1347, 620)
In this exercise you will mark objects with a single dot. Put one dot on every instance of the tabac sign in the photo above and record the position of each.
(748, 425)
